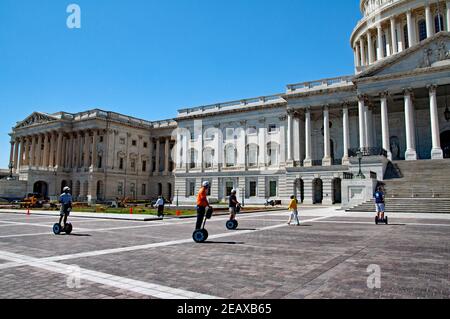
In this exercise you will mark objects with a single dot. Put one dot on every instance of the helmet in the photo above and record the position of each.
(233, 191)
(205, 184)
(66, 189)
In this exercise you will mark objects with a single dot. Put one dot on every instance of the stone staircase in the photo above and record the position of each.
(415, 187)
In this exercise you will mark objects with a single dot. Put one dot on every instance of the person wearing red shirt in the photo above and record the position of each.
(202, 204)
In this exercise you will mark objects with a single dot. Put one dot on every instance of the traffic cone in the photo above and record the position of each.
(131, 210)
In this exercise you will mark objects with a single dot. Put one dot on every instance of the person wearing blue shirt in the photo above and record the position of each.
(379, 202)
(66, 205)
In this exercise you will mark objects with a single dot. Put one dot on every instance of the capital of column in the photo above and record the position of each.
(384, 94)
(432, 88)
(408, 92)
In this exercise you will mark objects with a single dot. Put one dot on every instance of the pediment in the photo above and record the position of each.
(35, 119)
(432, 52)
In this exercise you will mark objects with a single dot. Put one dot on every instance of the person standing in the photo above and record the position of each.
(293, 207)
(380, 202)
(233, 204)
(66, 205)
(160, 205)
(202, 204)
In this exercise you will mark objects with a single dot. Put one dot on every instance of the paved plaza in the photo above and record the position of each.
(327, 257)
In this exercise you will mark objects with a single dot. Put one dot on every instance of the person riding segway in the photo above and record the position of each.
(204, 212)
(234, 207)
(66, 206)
(380, 206)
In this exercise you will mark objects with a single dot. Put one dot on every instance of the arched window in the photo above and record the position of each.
(273, 150)
(252, 155)
(230, 155)
(438, 23)
(405, 32)
(208, 157)
(422, 30)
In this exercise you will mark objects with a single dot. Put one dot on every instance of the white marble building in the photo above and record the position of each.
(300, 142)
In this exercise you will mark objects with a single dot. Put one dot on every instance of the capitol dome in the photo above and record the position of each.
(396, 25)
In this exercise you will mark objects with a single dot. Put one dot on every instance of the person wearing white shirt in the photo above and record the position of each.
(160, 205)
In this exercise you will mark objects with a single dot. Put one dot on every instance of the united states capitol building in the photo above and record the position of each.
(392, 112)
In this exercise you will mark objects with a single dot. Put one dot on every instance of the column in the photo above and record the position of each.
(23, 145)
(86, 151)
(11, 153)
(151, 146)
(72, 151)
(33, 151)
(363, 51)
(79, 149)
(368, 123)
(358, 55)
(380, 42)
(361, 115)
(95, 151)
(394, 43)
(436, 152)
(51, 162)
(326, 161)
(346, 134)
(167, 156)
(429, 21)
(27, 151)
(290, 125)
(308, 153)
(355, 52)
(410, 154)
(448, 15)
(158, 155)
(370, 48)
(401, 37)
(16, 155)
(411, 28)
(385, 124)
(40, 141)
(298, 136)
(58, 149)
(46, 151)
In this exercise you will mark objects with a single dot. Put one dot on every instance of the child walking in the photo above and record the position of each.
(293, 207)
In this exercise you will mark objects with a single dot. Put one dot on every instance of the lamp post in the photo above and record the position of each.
(10, 177)
(360, 157)
(177, 197)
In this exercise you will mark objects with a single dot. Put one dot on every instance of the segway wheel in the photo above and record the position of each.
(230, 225)
(200, 236)
(386, 221)
(57, 229)
(69, 228)
(236, 224)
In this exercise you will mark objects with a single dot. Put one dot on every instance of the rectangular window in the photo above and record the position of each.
(191, 189)
(144, 166)
(272, 128)
(145, 144)
(134, 142)
(252, 189)
(273, 188)
(121, 163)
(228, 188)
(120, 188)
(100, 162)
(101, 139)
(133, 164)
(122, 141)
(144, 190)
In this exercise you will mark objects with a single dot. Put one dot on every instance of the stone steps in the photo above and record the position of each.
(408, 205)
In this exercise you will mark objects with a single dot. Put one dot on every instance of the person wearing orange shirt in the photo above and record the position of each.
(202, 204)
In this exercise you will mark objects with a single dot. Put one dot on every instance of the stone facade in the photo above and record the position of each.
(301, 142)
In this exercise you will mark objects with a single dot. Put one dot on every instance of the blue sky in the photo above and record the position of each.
(149, 58)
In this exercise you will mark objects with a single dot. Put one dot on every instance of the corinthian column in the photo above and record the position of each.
(158, 155)
(94, 149)
(58, 149)
(308, 150)
(385, 124)
(436, 152)
(46, 151)
(86, 149)
(326, 161)
(23, 145)
(346, 132)
(166, 156)
(410, 128)
(33, 151)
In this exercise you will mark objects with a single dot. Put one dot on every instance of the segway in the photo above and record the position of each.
(233, 224)
(58, 229)
(201, 235)
(381, 221)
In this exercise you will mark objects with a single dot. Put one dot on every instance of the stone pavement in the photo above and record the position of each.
(327, 257)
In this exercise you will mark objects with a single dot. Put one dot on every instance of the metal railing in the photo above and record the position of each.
(367, 151)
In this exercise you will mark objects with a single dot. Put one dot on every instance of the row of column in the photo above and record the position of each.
(395, 37)
(366, 139)
(167, 155)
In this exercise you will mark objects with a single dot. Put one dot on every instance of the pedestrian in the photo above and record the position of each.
(160, 205)
(233, 204)
(293, 207)
(380, 202)
(202, 204)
